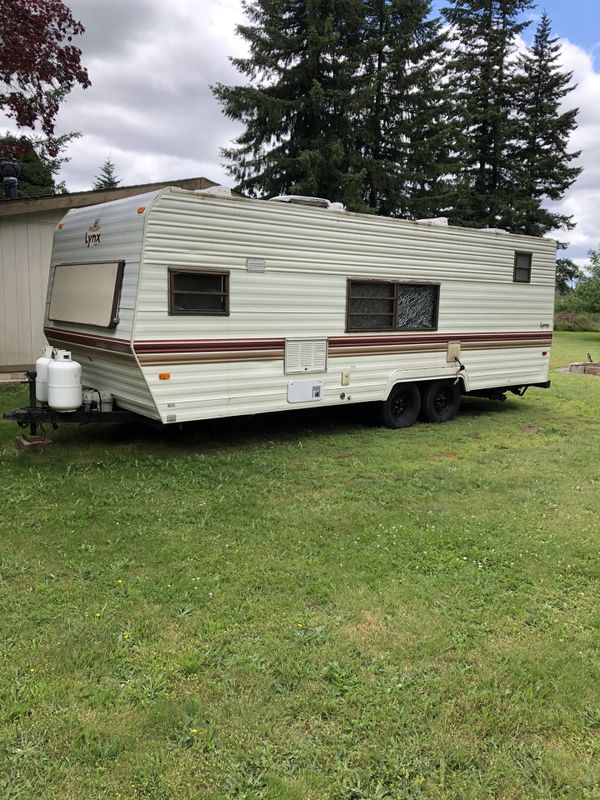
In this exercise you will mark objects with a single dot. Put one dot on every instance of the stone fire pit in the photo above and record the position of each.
(585, 368)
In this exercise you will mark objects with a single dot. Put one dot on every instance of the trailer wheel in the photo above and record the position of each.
(401, 409)
(440, 401)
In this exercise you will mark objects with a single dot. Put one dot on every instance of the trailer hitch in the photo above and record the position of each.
(33, 416)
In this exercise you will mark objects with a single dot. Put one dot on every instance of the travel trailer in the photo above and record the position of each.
(181, 306)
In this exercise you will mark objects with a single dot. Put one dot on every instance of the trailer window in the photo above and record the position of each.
(195, 292)
(522, 270)
(391, 306)
(86, 294)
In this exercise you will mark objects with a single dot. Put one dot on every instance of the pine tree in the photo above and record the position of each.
(542, 163)
(298, 110)
(107, 178)
(36, 177)
(483, 79)
(404, 151)
(40, 161)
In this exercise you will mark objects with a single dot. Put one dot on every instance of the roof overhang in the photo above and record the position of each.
(64, 202)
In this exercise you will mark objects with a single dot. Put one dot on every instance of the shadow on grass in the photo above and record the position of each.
(249, 432)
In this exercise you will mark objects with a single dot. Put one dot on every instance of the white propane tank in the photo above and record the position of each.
(41, 379)
(64, 382)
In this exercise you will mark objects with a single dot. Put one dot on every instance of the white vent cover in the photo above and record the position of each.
(441, 221)
(309, 391)
(256, 264)
(215, 191)
(305, 355)
(305, 200)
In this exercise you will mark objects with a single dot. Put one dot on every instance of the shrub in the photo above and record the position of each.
(572, 321)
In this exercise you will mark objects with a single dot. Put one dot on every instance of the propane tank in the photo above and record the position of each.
(64, 382)
(41, 380)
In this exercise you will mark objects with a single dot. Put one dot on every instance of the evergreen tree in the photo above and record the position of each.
(483, 85)
(585, 297)
(404, 136)
(40, 161)
(542, 163)
(36, 176)
(107, 178)
(567, 272)
(298, 111)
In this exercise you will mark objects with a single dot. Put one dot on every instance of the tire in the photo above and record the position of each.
(401, 409)
(440, 401)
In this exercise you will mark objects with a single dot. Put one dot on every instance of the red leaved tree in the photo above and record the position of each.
(39, 65)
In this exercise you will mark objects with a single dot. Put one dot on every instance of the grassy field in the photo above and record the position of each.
(305, 607)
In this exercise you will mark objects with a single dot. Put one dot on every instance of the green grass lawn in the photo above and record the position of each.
(305, 607)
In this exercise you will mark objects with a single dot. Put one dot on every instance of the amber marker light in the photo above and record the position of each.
(60, 226)
(164, 376)
(141, 209)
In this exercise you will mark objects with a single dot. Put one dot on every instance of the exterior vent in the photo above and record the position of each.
(493, 230)
(302, 200)
(305, 355)
(441, 221)
(215, 191)
(256, 265)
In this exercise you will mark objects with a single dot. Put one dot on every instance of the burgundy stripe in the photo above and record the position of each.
(335, 342)
(150, 346)
(207, 345)
(354, 341)
(89, 340)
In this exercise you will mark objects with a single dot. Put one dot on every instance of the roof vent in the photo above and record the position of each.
(303, 200)
(493, 230)
(215, 191)
(440, 221)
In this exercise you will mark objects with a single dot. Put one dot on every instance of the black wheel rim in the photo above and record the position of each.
(442, 400)
(400, 405)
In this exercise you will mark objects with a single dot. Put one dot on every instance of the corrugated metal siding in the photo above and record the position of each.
(25, 247)
(309, 254)
(125, 381)
(320, 249)
(122, 231)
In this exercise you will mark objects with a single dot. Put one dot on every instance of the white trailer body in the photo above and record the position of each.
(187, 306)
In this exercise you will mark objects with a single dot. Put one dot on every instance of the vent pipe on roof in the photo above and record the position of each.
(9, 171)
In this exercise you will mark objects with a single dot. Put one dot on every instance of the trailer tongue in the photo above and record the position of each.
(33, 416)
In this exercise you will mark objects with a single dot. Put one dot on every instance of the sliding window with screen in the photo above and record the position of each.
(374, 305)
(87, 294)
(522, 268)
(198, 292)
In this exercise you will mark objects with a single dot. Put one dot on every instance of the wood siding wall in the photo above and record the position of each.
(25, 250)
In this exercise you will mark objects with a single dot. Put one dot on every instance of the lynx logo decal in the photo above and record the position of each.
(92, 236)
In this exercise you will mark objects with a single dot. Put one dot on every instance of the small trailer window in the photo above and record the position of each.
(522, 270)
(195, 292)
(392, 306)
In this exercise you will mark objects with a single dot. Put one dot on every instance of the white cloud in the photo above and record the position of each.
(150, 106)
(583, 198)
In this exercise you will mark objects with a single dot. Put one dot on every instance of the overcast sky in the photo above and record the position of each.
(151, 110)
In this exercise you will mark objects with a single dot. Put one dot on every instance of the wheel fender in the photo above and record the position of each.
(419, 376)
